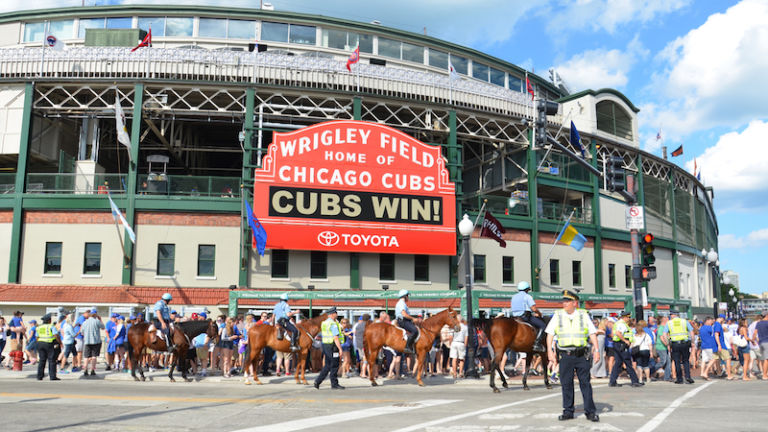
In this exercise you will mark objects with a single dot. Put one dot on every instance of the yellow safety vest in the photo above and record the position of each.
(45, 333)
(628, 335)
(325, 331)
(678, 330)
(571, 333)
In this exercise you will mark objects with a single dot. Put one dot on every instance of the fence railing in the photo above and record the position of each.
(7, 183)
(152, 184)
(72, 183)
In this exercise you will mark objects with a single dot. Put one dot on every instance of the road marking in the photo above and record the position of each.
(314, 422)
(188, 399)
(501, 416)
(656, 421)
(473, 428)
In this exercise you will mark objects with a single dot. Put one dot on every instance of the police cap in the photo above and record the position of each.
(570, 295)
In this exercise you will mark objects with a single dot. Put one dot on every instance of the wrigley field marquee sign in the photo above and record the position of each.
(353, 186)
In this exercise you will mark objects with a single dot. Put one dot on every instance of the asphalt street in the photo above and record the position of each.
(114, 402)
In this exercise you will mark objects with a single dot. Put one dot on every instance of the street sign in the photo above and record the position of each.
(634, 218)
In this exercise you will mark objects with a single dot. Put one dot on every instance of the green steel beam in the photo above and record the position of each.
(454, 170)
(21, 176)
(562, 184)
(357, 108)
(247, 182)
(354, 271)
(130, 194)
(598, 236)
(534, 212)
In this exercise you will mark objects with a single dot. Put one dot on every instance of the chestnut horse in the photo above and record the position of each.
(377, 335)
(263, 335)
(510, 333)
(139, 338)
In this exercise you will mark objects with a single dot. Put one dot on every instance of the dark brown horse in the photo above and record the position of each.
(263, 335)
(510, 333)
(140, 338)
(377, 335)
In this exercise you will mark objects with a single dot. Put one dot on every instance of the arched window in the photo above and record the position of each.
(613, 119)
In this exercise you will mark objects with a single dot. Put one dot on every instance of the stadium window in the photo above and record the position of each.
(335, 39)
(145, 23)
(212, 27)
(576, 267)
(612, 275)
(421, 268)
(241, 29)
(508, 269)
(627, 276)
(613, 119)
(92, 258)
(318, 265)
(386, 267)
(389, 48)
(479, 268)
(52, 263)
(413, 53)
(461, 64)
(279, 263)
(63, 29)
(166, 254)
(178, 26)
(119, 22)
(300, 34)
(498, 77)
(33, 32)
(480, 71)
(515, 83)
(272, 31)
(438, 59)
(365, 41)
(554, 272)
(92, 23)
(206, 260)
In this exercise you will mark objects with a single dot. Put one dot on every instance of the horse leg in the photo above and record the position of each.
(301, 365)
(545, 364)
(494, 368)
(183, 365)
(173, 361)
(255, 354)
(420, 360)
(132, 355)
(528, 360)
(374, 367)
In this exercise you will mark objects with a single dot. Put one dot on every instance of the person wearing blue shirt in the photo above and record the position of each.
(17, 325)
(405, 320)
(67, 333)
(523, 306)
(282, 312)
(31, 348)
(109, 339)
(163, 317)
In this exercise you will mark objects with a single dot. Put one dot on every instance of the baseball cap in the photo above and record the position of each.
(33, 321)
(18, 313)
(132, 317)
(194, 315)
(94, 310)
(173, 312)
(115, 315)
(203, 314)
(721, 316)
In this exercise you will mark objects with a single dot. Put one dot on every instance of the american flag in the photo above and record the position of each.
(658, 135)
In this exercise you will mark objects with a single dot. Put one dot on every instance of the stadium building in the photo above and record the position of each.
(219, 85)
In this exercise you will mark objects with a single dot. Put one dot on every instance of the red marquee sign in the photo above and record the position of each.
(353, 186)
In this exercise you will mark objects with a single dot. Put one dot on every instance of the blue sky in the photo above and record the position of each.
(696, 69)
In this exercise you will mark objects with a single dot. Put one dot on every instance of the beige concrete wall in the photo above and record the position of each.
(73, 238)
(187, 239)
(494, 254)
(11, 113)
(5, 250)
(620, 259)
(613, 214)
(566, 256)
(663, 285)
(10, 34)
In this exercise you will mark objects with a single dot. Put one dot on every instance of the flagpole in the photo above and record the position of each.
(126, 260)
(358, 72)
(244, 259)
(555, 242)
(46, 28)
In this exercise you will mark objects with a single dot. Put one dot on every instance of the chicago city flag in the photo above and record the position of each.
(492, 229)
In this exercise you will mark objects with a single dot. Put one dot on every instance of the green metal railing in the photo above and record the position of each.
(207, 186)
(69, 183)
(7, 183)
(556, 211)
(154, 184)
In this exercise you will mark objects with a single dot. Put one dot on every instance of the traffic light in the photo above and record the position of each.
(543, 109)
(614, 174)
(647, 259)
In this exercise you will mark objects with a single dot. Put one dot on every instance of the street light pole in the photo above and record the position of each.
(465, 229)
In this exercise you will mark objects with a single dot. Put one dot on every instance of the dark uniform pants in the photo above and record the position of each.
(534, 321)
(407, 325)
(46, 353)
(622, 357)
(681, 353)
(288, 325)
(331, 354)
(570, 363)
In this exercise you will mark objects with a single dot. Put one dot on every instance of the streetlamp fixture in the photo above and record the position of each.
(465, 229)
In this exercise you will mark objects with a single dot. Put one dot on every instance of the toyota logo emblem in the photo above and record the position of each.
(328, 238)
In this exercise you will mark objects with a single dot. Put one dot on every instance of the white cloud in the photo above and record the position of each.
(755, 239)
(607, 15)
(715, 74)
(600, 68)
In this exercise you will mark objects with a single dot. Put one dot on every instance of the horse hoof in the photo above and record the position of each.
(496, 390)
(421, 384)
(505, 385)
(143, 379)
(374, 383)
(526, 388)
(247, 383)
(173, 380)
(136, 378)
(549, 386)
(188, 379)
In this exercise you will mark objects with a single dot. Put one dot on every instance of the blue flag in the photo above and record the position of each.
(259, 233)
(576, 140)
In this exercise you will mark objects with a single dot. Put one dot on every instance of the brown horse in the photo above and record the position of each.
(140, 338)
(379, 334)
(262, 335)
(510, 333)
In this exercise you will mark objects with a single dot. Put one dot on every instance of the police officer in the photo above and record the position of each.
(332, 340)
(405, 320)
(680, 335)
(524, 306)
(282, 312)
(163, 316)
(622, 339)
(573, 327)
(47, 336)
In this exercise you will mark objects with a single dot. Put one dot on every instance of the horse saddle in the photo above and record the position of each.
(405, 333)
(521, 320)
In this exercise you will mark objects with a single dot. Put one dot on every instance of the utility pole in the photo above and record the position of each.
(637, 281)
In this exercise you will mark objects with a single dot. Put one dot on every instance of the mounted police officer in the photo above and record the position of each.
(405, 320)
(523, 306)
(622, 340)
(163, 317)
(47, 337)
(573, 327)
(680, 335)
(281, 313)
(333, 337)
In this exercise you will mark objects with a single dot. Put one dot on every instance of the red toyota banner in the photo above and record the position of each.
(353, 186)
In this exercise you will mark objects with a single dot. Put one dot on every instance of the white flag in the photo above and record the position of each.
(452, 71)
(116, 213)
(122, 131)
(55, 43)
